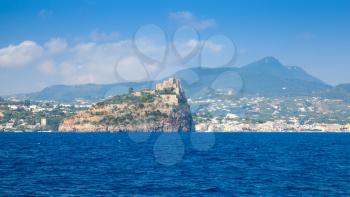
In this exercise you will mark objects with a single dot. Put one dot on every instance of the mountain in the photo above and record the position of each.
(269, 77)
(341, 91)
(163, 109)
(344, 88)
(266, 77)
(90, 92)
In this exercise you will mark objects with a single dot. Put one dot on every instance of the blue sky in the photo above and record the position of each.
(71, 42)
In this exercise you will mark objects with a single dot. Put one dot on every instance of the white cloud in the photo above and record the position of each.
(130, 68)
(83, 48)
(94, 62)
(91, 62)
(20, 55)
(47, 67)
(187, 18)
(73, 74)
(214, 47)
(155, 49)
(56, 45)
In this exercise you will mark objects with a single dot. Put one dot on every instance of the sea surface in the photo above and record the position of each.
(196, 164)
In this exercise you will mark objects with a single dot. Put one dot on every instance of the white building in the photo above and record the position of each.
(43, 122)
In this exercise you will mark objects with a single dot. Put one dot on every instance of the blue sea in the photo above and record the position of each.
(186, 164)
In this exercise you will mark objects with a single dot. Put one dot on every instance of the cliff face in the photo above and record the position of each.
(164, 109)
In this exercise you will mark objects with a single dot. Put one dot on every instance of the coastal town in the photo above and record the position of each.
(229, 125)
(210, 115)
(264, 114)
(24, 115)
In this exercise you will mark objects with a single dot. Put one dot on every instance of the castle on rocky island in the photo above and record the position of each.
(164, 109)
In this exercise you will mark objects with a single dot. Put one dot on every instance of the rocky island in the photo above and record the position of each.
(164, 109)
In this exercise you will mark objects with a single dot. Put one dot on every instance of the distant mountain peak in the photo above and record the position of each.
(266, 63)
(270, 59)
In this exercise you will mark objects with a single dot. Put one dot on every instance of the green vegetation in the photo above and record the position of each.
(155, 116)
(129, 98)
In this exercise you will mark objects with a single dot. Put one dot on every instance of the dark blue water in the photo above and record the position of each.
(241, 164)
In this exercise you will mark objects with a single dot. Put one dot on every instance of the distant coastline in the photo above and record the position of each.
(181, 132)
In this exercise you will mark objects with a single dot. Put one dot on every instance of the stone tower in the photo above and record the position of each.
(171, 83)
